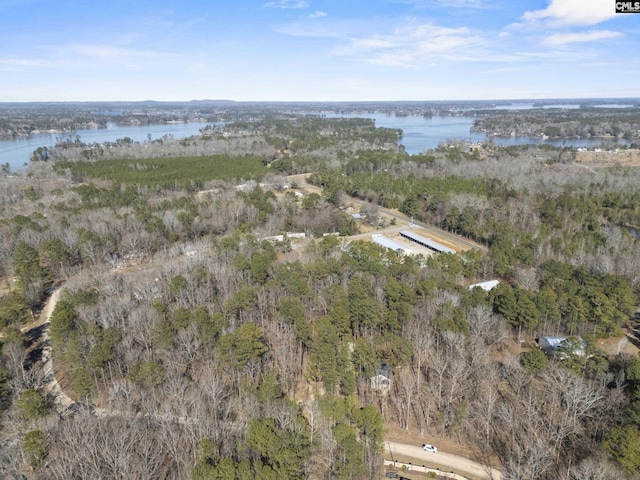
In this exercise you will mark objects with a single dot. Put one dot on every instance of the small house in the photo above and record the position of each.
(381, 381)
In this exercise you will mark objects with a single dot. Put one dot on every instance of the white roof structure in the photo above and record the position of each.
(426, 242)
(486, 286)
(390, 244)
(550, 344)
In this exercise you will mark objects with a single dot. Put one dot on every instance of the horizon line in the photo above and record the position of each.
(515, 99)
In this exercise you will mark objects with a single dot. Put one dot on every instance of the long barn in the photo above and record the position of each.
(426, 242)
(391, 244)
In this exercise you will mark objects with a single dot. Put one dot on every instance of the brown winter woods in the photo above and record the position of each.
(198, 350)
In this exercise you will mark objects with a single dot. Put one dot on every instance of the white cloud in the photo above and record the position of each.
(19, 62)
(287, 4)
(318, 14)
(108, 51)
(22, 65)
(92, 56)
(336, 28)
(98, 56)
(373, 43)
(412, 45)
(562, 13)
(591, 36)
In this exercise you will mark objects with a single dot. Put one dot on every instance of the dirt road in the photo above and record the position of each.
(456, 463)
(51, 387)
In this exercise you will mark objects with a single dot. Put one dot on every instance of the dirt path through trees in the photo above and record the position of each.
(51, 386)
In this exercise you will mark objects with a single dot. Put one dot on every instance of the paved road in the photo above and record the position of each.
(457, 463)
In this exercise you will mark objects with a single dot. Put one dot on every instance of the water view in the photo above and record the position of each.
(16, 152)
(425, 133)
(420, 134)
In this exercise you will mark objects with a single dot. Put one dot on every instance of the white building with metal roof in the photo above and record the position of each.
(390, 244)
(426, 242)
(486, 286)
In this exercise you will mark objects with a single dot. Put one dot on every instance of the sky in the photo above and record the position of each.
(316, 50)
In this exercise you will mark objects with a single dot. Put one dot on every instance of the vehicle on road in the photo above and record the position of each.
(429, 448)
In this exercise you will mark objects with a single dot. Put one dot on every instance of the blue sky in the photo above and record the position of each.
(316, 50)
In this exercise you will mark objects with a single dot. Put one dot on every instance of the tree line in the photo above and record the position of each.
(561, 123)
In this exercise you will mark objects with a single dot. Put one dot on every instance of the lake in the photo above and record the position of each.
(17, 152)
(424, 133)
(420, 134)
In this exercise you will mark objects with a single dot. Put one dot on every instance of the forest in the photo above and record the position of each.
(557, 123)
(185, 345)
